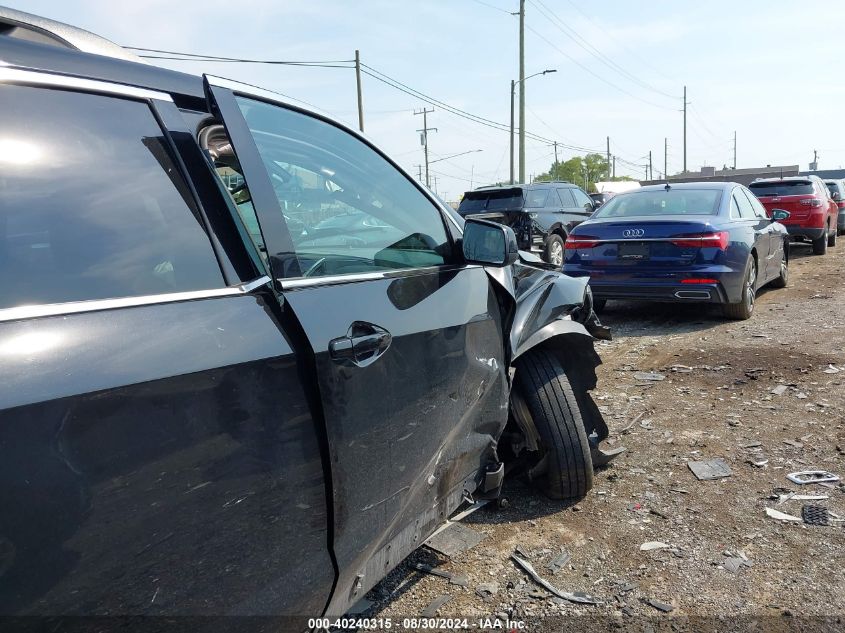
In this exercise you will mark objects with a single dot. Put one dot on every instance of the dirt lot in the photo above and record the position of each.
(716, 401)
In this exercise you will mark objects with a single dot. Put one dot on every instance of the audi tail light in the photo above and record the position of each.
(718, 240)
(575, 242)
(699, 281)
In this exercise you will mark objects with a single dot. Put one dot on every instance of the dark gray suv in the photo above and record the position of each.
(541, 214)
(248, 364)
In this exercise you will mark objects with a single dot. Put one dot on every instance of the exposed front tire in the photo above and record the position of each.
(744, 308)
(553, 253)
(781, 280)
(565, 469)
(820, 245)
(831, 238)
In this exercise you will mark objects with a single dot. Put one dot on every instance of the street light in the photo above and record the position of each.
(472, 151)
(522, 118)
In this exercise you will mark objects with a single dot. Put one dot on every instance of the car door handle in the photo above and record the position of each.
(363, 344)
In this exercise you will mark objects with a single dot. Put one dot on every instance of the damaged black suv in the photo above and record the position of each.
(248, 363)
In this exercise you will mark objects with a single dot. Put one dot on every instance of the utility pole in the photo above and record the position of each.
(734, 150)
(513, 85)
(650, 167)
(424, 137)
(614, 166)
(608, 156)
(360, 94)
(815, 165)
(666, 157)
(555, 152)
(521, 90)
(419, 175)
(685, 129)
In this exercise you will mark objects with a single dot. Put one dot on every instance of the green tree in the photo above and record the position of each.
(583, 171)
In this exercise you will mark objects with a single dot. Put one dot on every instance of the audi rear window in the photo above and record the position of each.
(671, 202)
(782, 188)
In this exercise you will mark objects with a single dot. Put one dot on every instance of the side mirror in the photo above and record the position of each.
(779, 214)
(836, 195)
(489, 244)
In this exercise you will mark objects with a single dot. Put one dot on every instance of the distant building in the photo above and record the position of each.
(825, 174)
(743, 176)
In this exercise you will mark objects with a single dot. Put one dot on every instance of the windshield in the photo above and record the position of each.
(672, 202)
(782, 188)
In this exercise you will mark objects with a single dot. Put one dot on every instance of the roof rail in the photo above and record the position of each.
(26, 26)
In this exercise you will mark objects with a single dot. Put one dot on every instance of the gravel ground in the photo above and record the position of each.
(723, 555)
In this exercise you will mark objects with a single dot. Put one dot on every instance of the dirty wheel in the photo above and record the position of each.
(820, 245)
(566, 468)
(831, 238)
(781, 280)
(554, 250)
(745, 306)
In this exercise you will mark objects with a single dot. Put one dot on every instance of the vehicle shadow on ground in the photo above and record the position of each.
(524, 503)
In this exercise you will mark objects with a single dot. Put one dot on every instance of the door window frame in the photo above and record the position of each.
(158, 102)
(221, 94)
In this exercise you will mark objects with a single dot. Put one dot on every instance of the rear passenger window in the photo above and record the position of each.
(536, 198)
(93, 206)
(757, 207)
(582, 199)
(566, 199)
(746, 210)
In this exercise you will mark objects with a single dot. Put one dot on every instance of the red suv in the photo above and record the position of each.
(812, 212)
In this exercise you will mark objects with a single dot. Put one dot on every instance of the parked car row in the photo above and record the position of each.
(703, 242)
(248, 363)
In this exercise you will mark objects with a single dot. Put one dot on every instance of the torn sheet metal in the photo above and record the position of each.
(710, 469)
(456, 538)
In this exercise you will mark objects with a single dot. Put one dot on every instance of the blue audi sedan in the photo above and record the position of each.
(709, 242)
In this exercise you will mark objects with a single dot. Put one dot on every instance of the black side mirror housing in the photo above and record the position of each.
(779, 214)
(489, 243)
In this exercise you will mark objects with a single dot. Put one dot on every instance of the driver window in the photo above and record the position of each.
(348, 210)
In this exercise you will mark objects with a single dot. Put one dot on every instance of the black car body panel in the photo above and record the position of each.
(213, 452)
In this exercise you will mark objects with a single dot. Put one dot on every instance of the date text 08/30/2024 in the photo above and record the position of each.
(416, 624)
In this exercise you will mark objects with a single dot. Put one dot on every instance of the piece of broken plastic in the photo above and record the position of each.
(803, 477)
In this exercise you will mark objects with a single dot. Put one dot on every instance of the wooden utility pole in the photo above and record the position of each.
(650, 167)
(666, 157)
(424, 137)
(608, 156)
(614, 166)
(360, 93)
(556, 161)
(521, 90)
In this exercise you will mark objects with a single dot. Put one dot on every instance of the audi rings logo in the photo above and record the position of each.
(633, 233)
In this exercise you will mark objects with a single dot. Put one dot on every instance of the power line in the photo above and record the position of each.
(492, 6)
(592, 50)
(200, 57)
(589, 71)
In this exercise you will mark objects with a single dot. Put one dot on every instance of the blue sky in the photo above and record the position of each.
(771, 71)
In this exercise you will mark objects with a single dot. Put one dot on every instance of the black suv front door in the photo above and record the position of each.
(406, 339)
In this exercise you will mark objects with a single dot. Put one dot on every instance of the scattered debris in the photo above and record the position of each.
(832, 369)
(487, 590)
(431, 610)
(454, 579)
(752, 445)
(661, 606)
(780, 390)
(710, 469)
(456, 538)
(649, 375)
(559, 561)
(782, 516)
(652, 545)
(633, 422)
(803, 477)
(577, 596)
(793, 443)
(681, 369)
(757, 464)
(733, 564)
